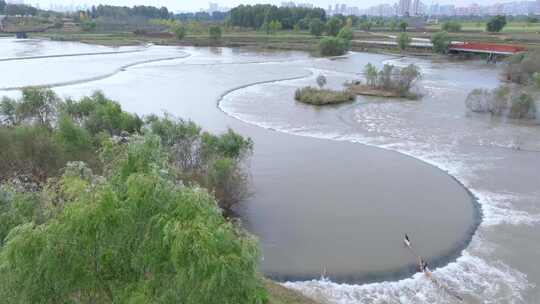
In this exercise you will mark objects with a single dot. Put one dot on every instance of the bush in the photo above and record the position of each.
(179, 31)
(333, 26)
(441, 42)
(403, 41)
(214, 32)
(316, 27)
(523, 106)
(346, 34)
(217, 162)
(332, 46)
(135, 238)
(502, 102)
(521, 68)
(393, 79)
(321, 97)
(496, 24)
(451, 26)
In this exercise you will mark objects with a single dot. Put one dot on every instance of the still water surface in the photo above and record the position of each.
(323, 203)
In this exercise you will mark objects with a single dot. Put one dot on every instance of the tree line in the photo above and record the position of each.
(254, 16)
(124, 12)
(12, 9)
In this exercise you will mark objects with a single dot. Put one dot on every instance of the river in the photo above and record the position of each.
(334, 189)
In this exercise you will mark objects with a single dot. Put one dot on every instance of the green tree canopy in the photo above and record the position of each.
(316, 27)
(496, 24)
(215, 32)
(136, 237)
(441, 42)
(403, 40)
(333, 26)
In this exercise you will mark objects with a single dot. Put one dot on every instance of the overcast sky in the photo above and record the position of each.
(191, 5)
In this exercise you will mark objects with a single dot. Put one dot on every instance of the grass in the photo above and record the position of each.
(281, 295)
(511, 27)
(321, 97)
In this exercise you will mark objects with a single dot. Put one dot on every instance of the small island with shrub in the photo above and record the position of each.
(390, 81)
(320, 96)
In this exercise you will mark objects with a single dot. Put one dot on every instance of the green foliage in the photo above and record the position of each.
(17, 208)
(196, 154)
(393, 79)
(88, 26)
(8, 111)
(333, 26)
(179, 31)
(366, 25)
(522, 106)
(332, 46)
(137, 238)
(403, 26)
(441, 42)
(30, 151)
(99, 114)
(536, 79)
(215, 32)
(346, 34)
(451, 26)
(316, 27)
(254, 16)
(371, 73)
(37, 105)
(522, 67)
(496, 24)
(274, 27)
(403, 40)
(321, 97)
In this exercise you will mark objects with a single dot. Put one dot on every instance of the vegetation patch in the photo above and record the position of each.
(322, 97)
(390, 81)
(503, 101)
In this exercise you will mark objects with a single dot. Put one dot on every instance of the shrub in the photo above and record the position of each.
(441, 42)
(393, 79)
(316, 27)
(496, 24)
(502, 102)
(403, 41)
(135, 238)
(523, 106)
(179, 31)
(88, 26)
(332, 46)
(403, 26)
(333, 26)
(521, 68)
(29, 151)
(215, 32)
(321, 97)
(346, 34)
(370, 72)
(201, 157)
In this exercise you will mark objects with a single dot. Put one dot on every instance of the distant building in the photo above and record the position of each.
(416, 8)
(404, 8)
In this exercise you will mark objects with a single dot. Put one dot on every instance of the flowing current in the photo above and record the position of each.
(329, 204)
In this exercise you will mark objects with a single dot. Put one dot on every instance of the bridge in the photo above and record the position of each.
(485, 48)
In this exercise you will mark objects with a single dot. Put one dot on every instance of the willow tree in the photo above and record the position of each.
(136, 237)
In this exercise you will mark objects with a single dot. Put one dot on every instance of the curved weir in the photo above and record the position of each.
(324, 268)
